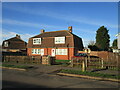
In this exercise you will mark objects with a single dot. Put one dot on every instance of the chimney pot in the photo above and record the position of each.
(18, 36)
(42, 30)
(70, 29)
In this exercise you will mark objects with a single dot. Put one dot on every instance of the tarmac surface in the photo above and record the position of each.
(44, 76)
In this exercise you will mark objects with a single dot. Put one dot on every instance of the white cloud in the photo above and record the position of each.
(8, 34)
(90, 31)
(86, 41)
(37, 25)
(79, 19)
(20, 23)
(28, 24)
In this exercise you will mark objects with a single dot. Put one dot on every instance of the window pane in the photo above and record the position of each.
(57, 52)
(36, 40)
(38, 51)
(65, 52)
(61, 51)
(33, 51)
(59, 40)
(6, 44)
(42, 51)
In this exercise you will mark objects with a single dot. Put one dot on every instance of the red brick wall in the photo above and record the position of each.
(101, 54)
(29, 51)
(47, 51)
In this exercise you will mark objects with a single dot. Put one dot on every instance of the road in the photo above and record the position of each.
(32, 79)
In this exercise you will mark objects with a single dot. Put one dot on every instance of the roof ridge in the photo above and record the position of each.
(54, 31)
(13, 38)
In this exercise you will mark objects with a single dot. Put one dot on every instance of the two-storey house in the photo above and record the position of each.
(15, 44)
(62, 44)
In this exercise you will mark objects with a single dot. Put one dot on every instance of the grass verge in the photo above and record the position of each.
(62, 62)
(90, 73)
(16, 66)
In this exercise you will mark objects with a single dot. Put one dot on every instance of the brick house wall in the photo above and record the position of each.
(71, 45)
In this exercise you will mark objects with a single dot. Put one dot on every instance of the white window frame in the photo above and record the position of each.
(42, 52)
(38, 41)
(6, 44)
(38, 51)
(59, 40)
(61, 52)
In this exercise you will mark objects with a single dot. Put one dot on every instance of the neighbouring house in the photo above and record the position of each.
(118, 44)
(15, 44)
(62, 44)
(118, 41)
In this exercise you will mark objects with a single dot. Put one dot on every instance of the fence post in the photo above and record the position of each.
(72, 62)
(4, 58)
(86, 62)
(83, 66)
(89, 58)
(102, 63)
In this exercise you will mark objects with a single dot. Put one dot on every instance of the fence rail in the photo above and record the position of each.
(93, 62)
(22, 59)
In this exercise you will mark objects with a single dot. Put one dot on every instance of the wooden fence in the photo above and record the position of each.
(88, 61)
(22, 59)
(92, 62)
(105, 55)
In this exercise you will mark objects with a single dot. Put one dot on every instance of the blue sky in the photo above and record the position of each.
(27, 18)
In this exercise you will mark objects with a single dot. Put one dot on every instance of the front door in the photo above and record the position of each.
(53, 52)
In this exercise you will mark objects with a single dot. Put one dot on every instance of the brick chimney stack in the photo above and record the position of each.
(70, 29)
(42, 31)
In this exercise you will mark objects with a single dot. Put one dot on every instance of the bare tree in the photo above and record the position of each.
(91, 42)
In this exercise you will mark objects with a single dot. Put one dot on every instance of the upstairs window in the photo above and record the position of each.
(5, 44)
(36, 40)
(59, 40)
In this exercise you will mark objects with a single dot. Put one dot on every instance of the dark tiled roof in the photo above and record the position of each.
(15, 43)
(14, 39)
(71, 41)
(53, 34)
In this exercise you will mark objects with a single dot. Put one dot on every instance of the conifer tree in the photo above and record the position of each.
(102, 39)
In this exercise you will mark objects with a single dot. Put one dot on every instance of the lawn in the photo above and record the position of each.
(87, 73)
(63, 61)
